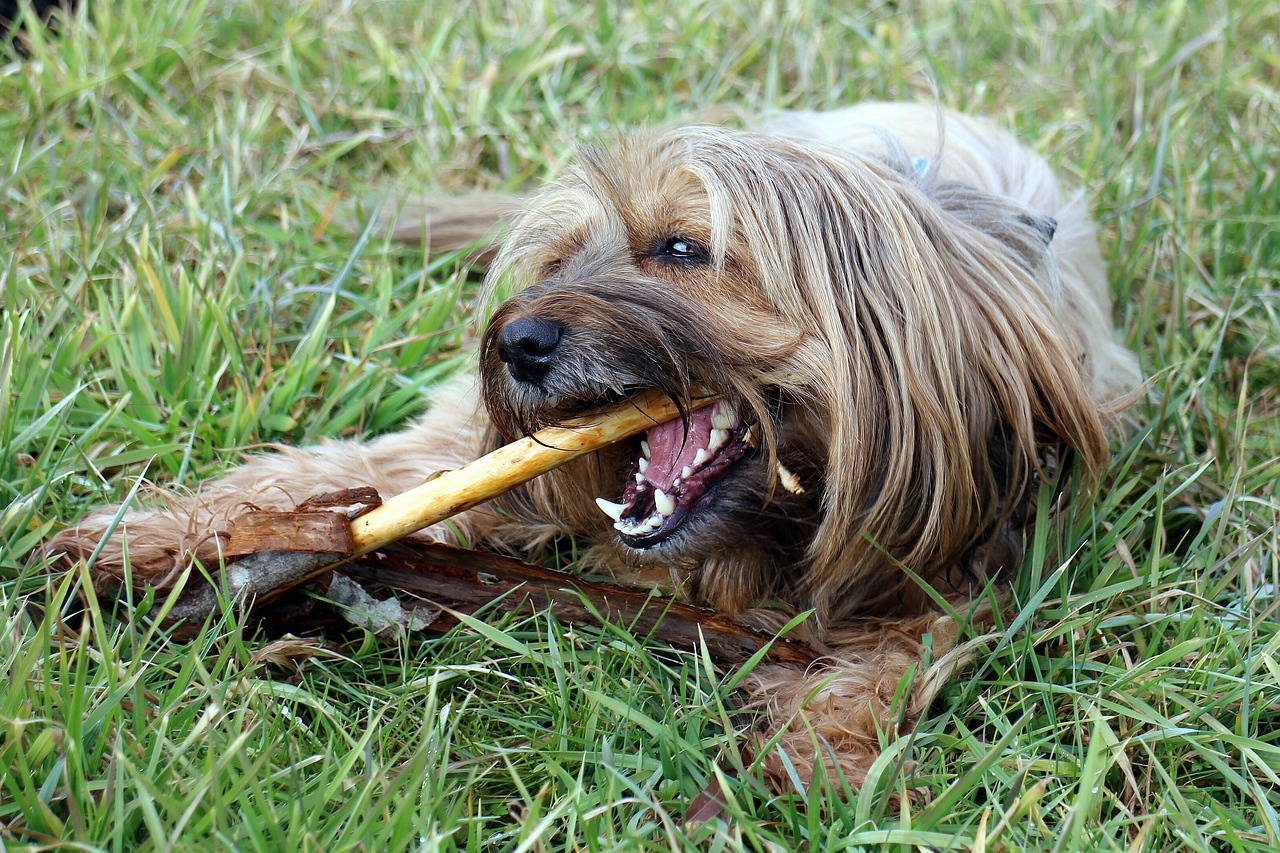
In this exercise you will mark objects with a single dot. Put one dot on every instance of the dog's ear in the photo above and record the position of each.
(960, 301)
(1045, 226)
(947, 376)
(1028, 234)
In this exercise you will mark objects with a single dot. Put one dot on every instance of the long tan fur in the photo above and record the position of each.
(910, 315)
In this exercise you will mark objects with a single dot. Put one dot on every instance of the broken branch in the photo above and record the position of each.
(462, 580)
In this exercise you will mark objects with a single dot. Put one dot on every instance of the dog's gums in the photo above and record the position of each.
(675, 464)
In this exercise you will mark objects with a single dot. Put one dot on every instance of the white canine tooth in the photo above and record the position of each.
(789, 481)
(644, 448)
(686, 472)
(701, 456)
(725, 415)
(610, 508)
(664, 503)
(644, 464)
(718, 437)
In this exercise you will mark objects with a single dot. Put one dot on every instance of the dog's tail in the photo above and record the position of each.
(441, 223)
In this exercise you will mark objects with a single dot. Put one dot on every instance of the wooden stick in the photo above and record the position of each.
(467, 580)
(452, 492)
(271, 565)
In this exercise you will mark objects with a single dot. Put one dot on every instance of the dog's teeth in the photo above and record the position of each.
(632, 528)
(639, 477)
(725, 415)
(664, 503)
(701, 456)
(718, 437)
(644, 464)
(644, 448)
(750, 436)
(610, 508)
(789, 481)
(686, 472)
(639, 528)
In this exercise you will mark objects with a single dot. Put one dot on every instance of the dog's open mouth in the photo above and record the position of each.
(674, 468)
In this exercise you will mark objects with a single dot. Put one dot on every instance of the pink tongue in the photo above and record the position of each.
(671, 449)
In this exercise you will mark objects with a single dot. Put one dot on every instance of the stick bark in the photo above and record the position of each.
(463, 580)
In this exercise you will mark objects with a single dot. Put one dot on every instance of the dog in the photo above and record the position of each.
(907, 321)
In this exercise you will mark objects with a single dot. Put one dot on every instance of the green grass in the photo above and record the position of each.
(170, 293)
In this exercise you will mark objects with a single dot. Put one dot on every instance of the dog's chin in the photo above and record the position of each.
(679, 473)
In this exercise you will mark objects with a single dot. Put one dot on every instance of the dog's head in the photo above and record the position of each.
(885, 345)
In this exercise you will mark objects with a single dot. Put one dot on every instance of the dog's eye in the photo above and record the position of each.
(678, 248)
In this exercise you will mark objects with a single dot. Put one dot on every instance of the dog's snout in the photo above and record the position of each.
(527, 347)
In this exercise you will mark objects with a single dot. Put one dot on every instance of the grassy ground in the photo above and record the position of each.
(170, 293)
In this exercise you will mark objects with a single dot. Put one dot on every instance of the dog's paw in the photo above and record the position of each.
(794, 760)
(154, 545)
(830, 721)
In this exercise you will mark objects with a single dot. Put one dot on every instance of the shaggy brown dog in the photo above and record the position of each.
(909, 325)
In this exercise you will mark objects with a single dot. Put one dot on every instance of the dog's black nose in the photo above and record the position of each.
(527, 346)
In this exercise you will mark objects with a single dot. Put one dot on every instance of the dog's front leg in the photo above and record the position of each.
(168, 528)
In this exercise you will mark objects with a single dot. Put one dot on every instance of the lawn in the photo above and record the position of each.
(184, 275)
